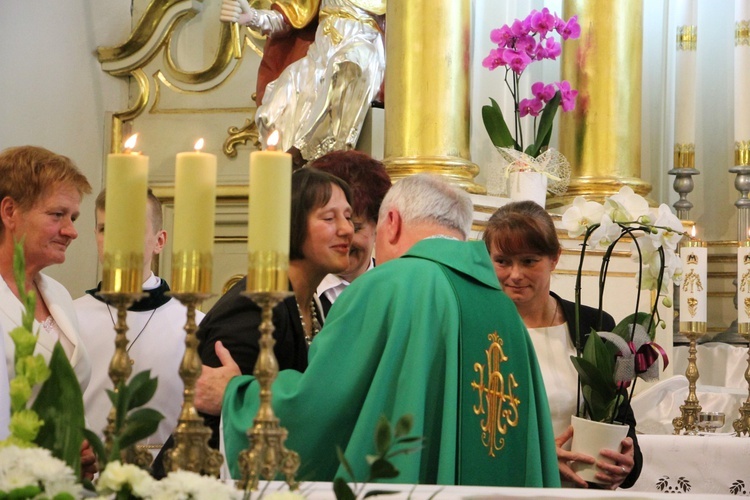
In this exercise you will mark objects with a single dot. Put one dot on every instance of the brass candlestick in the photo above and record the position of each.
(688, 419)
(120, 369)
(191, 278)
(742, 424)
(266, 455)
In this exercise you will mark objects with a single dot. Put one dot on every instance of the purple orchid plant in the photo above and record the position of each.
(519, 45)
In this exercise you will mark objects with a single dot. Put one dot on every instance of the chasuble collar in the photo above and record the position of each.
(452, 254)
(156, 298)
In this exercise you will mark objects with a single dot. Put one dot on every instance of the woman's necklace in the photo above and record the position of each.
(315, 328)
(130, 344)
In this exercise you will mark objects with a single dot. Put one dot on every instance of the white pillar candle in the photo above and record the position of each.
(125, 206)
(685, 72)
(269, 216)
(742, 79)
(694, 287)
(194, 202)
(743, 287)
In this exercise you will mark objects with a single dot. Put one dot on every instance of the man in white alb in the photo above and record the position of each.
(156, 334)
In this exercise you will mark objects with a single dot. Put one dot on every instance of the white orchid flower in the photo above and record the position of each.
(626, 206)
(581, 215)
(605, 234)
(672, 236)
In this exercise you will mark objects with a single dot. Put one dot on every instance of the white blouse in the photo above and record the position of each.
(553, 350)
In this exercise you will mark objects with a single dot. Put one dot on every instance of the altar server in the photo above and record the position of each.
(428, 332)
(156, 335)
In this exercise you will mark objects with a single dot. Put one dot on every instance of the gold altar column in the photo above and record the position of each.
(427, 90)
(602, 137)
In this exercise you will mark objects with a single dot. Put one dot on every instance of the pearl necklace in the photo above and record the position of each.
(315, 328)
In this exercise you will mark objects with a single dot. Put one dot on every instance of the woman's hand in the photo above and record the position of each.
(210, 387)
(613, 475)
(565, 459)
(88, 461)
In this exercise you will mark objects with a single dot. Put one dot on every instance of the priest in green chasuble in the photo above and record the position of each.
(428, 332)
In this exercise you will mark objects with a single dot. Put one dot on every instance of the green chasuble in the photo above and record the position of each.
(430, 334)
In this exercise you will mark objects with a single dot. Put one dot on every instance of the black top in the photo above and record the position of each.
(590, 318)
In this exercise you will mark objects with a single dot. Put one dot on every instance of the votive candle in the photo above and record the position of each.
(194, 201)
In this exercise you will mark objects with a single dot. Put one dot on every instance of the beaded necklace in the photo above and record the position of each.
(315, 322)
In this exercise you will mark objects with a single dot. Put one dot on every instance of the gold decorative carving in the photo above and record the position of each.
(240, 135)
(742, 33)
(687, 37)
(692, 281)
(501, 405)
(684, 155)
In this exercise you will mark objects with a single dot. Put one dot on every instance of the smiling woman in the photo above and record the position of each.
(40, 196)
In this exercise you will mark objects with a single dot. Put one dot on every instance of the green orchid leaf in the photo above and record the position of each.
(342, 490)
(382, 469)
(496, 127)
(404, 425)
(597, 352)
(142, 389)
(590, 375)
(60, 405)
(544, 130)
(383, 436)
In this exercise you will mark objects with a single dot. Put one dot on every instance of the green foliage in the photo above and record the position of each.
(644, 319)
(497, 127)
(132, 423)
(596, 368)
(389, 442)
(60, 405)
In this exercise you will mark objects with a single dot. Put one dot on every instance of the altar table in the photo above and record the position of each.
(324, 491)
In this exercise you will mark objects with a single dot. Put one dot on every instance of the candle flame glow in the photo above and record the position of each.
(130, 143)
(273, 140)
(692, 232)
(199, 144)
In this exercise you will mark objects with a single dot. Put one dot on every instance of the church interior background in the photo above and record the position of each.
(70, 83)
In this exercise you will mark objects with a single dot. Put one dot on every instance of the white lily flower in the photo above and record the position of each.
(581, 215)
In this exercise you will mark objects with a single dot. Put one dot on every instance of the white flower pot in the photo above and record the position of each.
(527, 185)
(590, 437)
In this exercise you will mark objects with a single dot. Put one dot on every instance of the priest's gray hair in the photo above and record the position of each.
(428, 198)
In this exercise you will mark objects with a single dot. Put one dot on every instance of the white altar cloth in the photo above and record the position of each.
(719, 364)
(324, 491)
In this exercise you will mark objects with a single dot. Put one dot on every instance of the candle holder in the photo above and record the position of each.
(191, 450)
(267, 285)
(120, 369)
(687, 422)
(742, 425)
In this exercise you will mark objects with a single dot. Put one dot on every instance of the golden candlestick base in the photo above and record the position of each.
(191, 450)
(266, 455)
(742, 425)
(687, 422)
(120, 369)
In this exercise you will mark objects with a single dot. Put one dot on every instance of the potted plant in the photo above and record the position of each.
(609, 363)
(518, 45)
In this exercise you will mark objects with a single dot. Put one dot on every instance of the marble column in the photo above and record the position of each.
(602, 137)
(427, 91)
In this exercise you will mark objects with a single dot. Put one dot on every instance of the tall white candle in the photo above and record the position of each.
(685, 72)
(125, 229)
(269, 215)
(743, 286)
(694, 287)
(194, 201)
(742, 72)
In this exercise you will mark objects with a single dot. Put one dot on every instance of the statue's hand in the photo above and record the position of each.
(236, 11)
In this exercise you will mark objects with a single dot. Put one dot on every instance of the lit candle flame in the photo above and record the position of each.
(199, 144)
(272, 141)
(130, 143)
(692, 232)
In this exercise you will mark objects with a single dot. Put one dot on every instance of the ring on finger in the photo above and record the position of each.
(623, 469)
